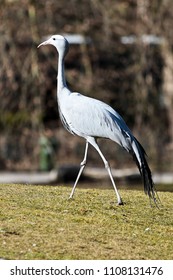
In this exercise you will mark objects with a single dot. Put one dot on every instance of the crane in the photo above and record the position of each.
(92, 119)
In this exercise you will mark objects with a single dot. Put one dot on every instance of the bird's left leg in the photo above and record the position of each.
(82, 166)
(92, 141)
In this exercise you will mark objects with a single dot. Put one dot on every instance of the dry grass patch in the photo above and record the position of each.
(39, 222)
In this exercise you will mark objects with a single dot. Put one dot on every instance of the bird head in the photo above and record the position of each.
(58, 41)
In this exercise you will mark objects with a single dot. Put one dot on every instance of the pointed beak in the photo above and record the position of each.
(44, 43)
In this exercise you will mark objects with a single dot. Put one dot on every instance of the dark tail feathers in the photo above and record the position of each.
(139, 156)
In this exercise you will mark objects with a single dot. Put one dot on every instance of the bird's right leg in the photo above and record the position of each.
(93, 142)
(82, 166)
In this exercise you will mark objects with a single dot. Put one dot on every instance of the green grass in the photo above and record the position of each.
(39, 222)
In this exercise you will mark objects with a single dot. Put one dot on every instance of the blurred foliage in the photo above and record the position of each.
(135, 78)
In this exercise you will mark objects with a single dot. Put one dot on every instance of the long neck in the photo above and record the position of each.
(61, 75)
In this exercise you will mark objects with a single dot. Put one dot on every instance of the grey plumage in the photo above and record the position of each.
(91, 119)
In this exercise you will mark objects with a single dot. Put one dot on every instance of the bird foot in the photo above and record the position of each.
(120, 202)
(70, 197)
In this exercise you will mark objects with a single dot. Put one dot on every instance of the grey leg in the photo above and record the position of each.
(92, 141)
(82, 166)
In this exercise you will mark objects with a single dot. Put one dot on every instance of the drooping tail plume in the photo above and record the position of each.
(139, 156)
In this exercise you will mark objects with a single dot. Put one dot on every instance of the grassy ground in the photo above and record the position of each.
(39, 222)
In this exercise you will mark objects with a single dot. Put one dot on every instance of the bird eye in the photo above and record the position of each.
(54, 39)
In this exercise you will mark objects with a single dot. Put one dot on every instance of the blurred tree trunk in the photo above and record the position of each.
(168, 86)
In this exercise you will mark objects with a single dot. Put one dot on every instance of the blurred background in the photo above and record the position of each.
(121, 52)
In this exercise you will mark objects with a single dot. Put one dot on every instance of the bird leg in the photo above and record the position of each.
(82, 166)
(92, 141)
(120, 202)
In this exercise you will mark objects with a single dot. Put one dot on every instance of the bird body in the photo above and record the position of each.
(91, 119)
(105, 122)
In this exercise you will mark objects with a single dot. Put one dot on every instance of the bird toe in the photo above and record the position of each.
(120, 202)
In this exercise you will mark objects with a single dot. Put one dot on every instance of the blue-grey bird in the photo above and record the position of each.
(92, 119)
